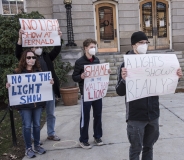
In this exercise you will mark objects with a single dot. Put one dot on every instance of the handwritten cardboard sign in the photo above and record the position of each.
(29, 88)
(40, 32)
(150, 75)
(96, 81)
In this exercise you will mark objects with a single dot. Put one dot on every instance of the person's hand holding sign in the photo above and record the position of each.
(7, 85)
(83, 75)
(59, 33)
(109, 71)
(179, 73)
(52, 81)
(124, 73)
(20, 37)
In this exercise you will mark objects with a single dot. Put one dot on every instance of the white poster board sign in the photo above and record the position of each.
(40, 32)
(29, 88)
(96, 81)
(150, 75)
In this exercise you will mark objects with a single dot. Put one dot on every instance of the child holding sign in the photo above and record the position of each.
(142, 115)
(78, 75)
(30, 113)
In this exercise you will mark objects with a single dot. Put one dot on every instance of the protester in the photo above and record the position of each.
(46, 62)
(78, 75)
(142, 115)
(30, 113)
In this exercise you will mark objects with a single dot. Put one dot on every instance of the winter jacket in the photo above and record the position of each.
(79, 69)
(144, 109)
(30, 105)
(48, 57)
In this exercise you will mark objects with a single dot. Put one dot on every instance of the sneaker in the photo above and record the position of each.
(39, 150)
(41, 143)
(30, 153)
(98, 142)
(85, 145)
(53, 137)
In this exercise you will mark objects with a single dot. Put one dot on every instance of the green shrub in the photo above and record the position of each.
(9, 27)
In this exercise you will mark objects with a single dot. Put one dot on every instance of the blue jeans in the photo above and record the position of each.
(50, 108)
(142, 135)
(31, 116)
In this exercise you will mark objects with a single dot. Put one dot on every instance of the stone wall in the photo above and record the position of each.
(128, 11)
(44, 7)
(128, 22)
(82, 18)
(177, 19)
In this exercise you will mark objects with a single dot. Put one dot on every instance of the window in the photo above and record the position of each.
(10, 7)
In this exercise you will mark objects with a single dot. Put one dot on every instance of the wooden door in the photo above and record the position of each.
(106, 27)
(155, 23)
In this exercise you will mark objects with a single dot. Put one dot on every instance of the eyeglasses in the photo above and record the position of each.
(29, 57)
(141, 42)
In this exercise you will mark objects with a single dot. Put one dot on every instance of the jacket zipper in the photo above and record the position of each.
(35, 105)
(148, 108)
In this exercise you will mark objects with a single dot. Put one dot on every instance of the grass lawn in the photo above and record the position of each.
(7, 150)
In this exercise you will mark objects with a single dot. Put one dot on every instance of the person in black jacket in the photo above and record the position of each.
(30, 113)
(142, 115)
(46, 62)
(78, 76)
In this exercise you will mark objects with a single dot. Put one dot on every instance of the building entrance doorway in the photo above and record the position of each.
(106, 27)
(154, 21)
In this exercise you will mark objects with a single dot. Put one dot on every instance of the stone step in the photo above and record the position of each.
(179, 56)
(111, 88)
(103, 61)
(113, 71)
(181, 60)
(119, 56)
(113, 77)
(111, 64)
(112, 82)
(117, 64)
(120, 60)
(175, 52)
(182, 64)
(114, 68)
(179, 90)
(111, 94)
(104, 56)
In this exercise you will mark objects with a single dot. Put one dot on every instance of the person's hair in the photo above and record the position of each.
(87, 42)
(23, 64)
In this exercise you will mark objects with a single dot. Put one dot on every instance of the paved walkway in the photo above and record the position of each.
(170, 145)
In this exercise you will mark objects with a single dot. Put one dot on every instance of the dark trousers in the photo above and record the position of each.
(142, 135)
(85, 117)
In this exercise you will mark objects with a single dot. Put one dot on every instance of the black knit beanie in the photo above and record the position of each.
(138, 36)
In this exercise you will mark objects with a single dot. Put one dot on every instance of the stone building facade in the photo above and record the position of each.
(129, 16)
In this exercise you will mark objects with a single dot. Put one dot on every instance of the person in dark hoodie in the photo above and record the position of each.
(78, 75)
(30, 113)
(46, 62)
(142, 115)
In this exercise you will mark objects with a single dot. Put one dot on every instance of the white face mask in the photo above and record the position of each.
(142, 49)
(38, 51)
(92, 51)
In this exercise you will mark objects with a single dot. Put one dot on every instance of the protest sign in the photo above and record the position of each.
(96, 81)
(29, 88)
(40, 32)
(150, 75)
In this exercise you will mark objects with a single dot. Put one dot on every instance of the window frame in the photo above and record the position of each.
(2, 12)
